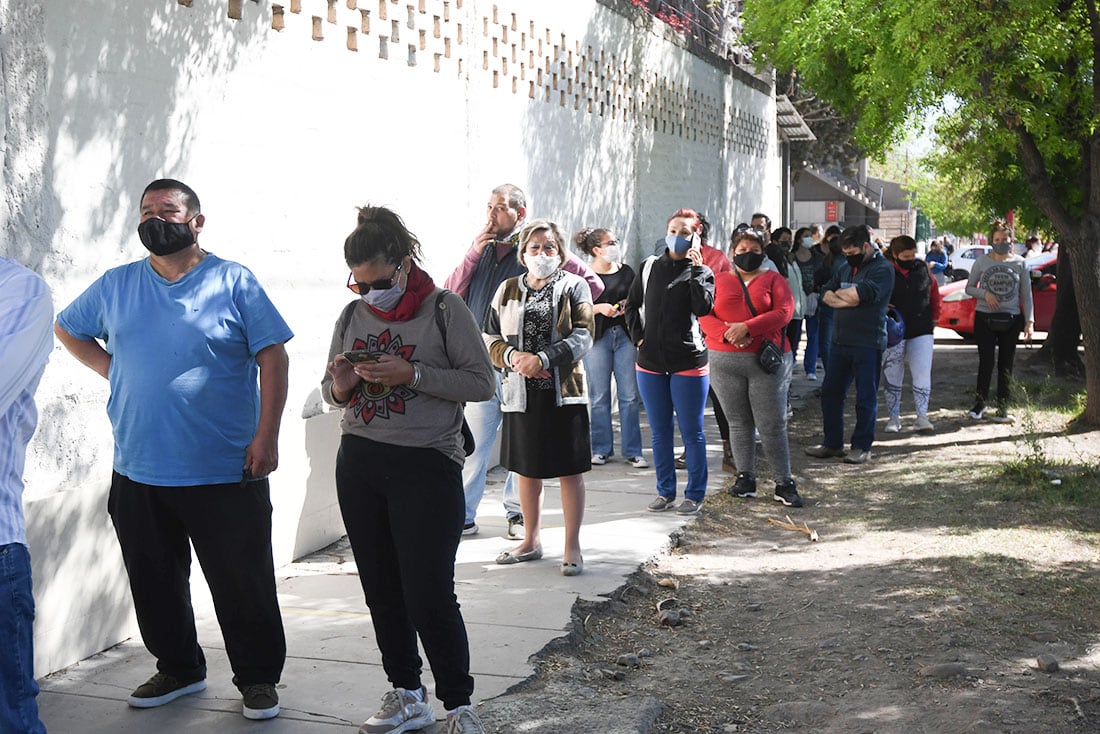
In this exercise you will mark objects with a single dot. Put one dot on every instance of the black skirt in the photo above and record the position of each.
(547, 441)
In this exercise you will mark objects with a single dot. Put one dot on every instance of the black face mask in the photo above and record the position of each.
(165, 238)
(855, 260)
(749, 261)
(907, 264)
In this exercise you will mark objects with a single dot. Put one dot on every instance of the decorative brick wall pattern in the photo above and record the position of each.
(515, 55)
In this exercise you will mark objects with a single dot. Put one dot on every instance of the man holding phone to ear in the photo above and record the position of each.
(194, 353)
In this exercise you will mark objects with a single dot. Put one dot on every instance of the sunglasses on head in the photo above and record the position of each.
(361, 289)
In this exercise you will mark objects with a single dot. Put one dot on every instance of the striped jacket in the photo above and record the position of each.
(572, 338)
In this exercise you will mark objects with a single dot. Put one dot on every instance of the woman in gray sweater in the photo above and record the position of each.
(404, 357)
(999, 281)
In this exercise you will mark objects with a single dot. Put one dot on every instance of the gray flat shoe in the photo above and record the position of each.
(572, 569)
(507, 558)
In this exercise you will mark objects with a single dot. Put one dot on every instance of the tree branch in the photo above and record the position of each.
(1035, 172)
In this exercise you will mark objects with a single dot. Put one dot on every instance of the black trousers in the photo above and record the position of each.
(403, 508)
(230, 528)
(1003, 343)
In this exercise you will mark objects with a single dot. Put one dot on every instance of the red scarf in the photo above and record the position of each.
(418, 286)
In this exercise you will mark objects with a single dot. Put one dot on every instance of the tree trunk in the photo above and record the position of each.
(1085, 258)
(1060, 348)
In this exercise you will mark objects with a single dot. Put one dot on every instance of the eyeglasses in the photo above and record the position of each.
(361, 289)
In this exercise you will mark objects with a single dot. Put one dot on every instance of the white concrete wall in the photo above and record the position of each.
(282, 135)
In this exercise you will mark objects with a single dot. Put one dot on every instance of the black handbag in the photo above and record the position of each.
(770, 357)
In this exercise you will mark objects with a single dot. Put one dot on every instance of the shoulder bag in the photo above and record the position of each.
(770, 357)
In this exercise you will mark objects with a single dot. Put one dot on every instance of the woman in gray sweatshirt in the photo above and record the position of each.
(999, 281)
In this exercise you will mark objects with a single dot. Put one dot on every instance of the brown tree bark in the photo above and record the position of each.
(1060, 348)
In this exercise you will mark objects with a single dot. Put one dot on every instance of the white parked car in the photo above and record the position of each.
(962, 260)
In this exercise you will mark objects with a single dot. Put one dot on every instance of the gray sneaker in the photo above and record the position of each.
(661, 504)
(463, 720)
(515, 527)
(400, 712)
(689, 507)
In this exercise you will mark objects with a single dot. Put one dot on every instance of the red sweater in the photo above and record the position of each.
(774, 305)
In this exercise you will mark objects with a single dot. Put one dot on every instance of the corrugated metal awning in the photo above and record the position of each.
(790, 124)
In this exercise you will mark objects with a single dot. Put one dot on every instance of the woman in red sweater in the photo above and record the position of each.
(752, 305)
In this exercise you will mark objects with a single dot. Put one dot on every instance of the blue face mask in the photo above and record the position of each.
(677, 244)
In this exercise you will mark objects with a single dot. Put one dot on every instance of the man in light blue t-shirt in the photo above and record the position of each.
(194, 353)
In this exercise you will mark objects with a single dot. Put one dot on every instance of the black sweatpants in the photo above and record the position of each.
(1000, 345)
(230, 528)
(403, 508)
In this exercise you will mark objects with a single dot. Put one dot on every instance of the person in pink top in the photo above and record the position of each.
(752, 305)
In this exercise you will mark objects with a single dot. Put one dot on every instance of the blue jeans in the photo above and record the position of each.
(18, 708)
(614, 354)
(484, 419)
(864, 365)
(686, 396)
(824, 333)
(809, 357)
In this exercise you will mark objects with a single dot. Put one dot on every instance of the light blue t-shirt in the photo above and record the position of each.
(185, 400)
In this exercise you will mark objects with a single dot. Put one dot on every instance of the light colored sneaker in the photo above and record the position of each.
(638, 462)
(400, 712)
(923, 424)
(470, 528)
(599, 459)
(893, 425)
(464, 720)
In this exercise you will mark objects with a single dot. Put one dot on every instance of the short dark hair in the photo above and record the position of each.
(778, 231)
(765, 217)
(379, 235)
(902, 243)
(856, 236)
(514, 194)
(190, 198)
(746, 234)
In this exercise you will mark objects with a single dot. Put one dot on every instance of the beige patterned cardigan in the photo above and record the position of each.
(572, 338)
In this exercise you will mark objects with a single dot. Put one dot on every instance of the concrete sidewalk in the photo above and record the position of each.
(333, 678)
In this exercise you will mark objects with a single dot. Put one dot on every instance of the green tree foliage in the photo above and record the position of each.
(1024, 121)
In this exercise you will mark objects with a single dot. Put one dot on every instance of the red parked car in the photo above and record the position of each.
(957, 311)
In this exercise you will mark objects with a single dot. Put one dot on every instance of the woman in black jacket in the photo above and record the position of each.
(662, 315)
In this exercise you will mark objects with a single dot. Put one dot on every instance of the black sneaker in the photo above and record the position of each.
(787, 493)
(744, 485)
(977, 412)
(260, 701)
(681, 461)
(162, 689)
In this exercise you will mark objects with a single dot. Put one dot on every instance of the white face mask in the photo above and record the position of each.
(542, 266)
(613, 254)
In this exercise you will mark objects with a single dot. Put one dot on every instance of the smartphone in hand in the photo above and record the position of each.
(360, 355)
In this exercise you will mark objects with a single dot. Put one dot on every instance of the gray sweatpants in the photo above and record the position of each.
(753, 399)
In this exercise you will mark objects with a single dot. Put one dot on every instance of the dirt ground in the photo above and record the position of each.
(950, 570)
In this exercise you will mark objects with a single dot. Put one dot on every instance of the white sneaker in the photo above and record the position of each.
(922, 424)
(638, 462)
(400, 712)
(893, 425)
(463, 720)
(599, 459)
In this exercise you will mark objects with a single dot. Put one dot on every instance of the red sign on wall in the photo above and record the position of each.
(830, 211)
